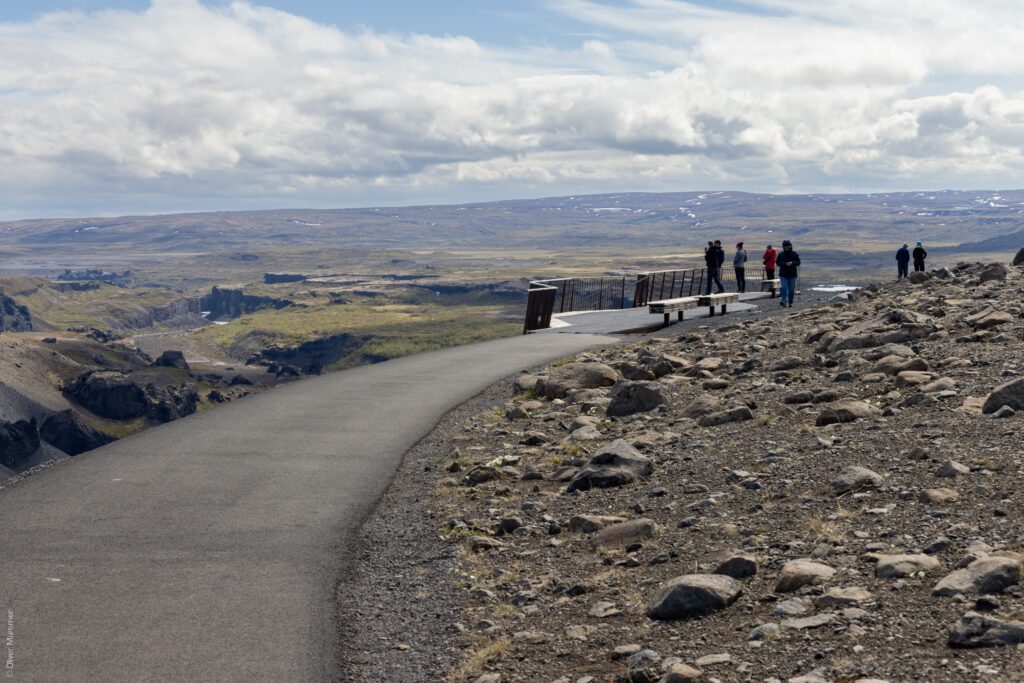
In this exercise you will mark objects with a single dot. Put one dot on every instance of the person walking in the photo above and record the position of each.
(789, 263)
(919, 256)
(714, 257)
(902, 259)
(739, 264)
(769, 262)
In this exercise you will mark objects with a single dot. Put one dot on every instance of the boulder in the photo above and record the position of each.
(617, 464)
(913, 378)
(1018, 258)
(846, 411)
(799, 573)
(172, 359)
(856, 479)
(623, 533)
(578, 375)
(117, 396)
(18, 440)
(703, 405)
(693, 594)
(1009, 394)
(994, 272)
(988, 317)
(841, 597)
(899, 566)
(985, 575)
(628, 397)
(979, 630)
(738, 566)
(732, 415)
(67, 431)
(950, 469)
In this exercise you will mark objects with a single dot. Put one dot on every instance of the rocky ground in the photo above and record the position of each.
(832, 494)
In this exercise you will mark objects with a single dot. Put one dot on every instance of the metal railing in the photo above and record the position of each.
(568, 295)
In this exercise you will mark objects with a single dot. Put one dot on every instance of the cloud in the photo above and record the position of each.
(188, 105)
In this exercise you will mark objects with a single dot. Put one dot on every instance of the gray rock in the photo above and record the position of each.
(588, 524)
(624, 533)
(842, 597)
(994, 272)
(985, 575)
(69, 432)
(846, 411)
(634, 372)
(978, 630)
(1005, 411)
(636, 397)
(789, 608)
(951, 469)
(703, 405)
(798, 573)
(1018, 258)
(616, 464)
(693, 594)
(938, 496)
(678, 672)
(988, 318)
(856, 479)
(814, 621)
(788, 363)
(738, 566)
(578, 375)
(899, 566)
(764, 631)
(1009, 394)
(732, 415)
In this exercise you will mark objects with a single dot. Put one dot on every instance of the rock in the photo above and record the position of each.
(624, 651)
(798, 573)
(481, 474)
(681, 673)
(940, 384)
(787, 363)
(733, 415)
(479, 544)
(526, 382)
(978, 630)
(715, 384)
(634, 372)
(712, 660)
(950, 469)
(789, 608)
(938, 496)
(636, 397)
(1009, 394)
(18, 441)
(846, 411)
(703, 405)
(616, 464)
(988, 318)
(1005, 411)
(587, 524)
(577, 375)
(984, 575)
(913, 378)
(172, 359)
(764, 631)
(604, 609)
(67, 431)
(642, 659)
(1018, 258)
(918, 277)
(898, 566)
(841, 597)
(814, 621)
(738, 566)
(856, 479)
(624, 533)
(117, 396)
(693, 594)
(994, 272)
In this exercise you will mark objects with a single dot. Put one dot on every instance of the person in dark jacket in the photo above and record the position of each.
(714, 257)
(739, 263)
(789, 263)
(919, 256)
(902, 259)
(769, 262)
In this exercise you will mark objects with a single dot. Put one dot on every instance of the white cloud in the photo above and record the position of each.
(192, 106)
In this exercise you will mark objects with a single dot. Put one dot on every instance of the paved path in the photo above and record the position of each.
(208, 549)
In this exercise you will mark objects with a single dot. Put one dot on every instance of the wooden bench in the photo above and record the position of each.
(772, 286)
(667, 306)
(712, 300)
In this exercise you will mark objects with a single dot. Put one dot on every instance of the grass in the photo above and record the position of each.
(478, 657)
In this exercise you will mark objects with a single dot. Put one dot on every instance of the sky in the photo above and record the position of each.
(112, 107)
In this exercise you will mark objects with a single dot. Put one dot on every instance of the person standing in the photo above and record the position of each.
(769, 262)
(789, 263)
(919, 256)
(902, 259)
(739, 263)
(714, 257)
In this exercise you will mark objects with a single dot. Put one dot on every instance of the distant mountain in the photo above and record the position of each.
(619, 221)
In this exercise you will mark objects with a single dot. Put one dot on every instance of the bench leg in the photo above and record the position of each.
(680, 316)
(711, 311)
(723, 309)
(666, 319)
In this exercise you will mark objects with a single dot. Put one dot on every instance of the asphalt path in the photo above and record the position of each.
(209, 549)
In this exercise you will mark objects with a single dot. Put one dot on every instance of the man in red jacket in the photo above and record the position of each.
(769, 263)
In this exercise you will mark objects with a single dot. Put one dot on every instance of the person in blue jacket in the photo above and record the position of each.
(902, 259)
(789, 263)
(714, 257)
